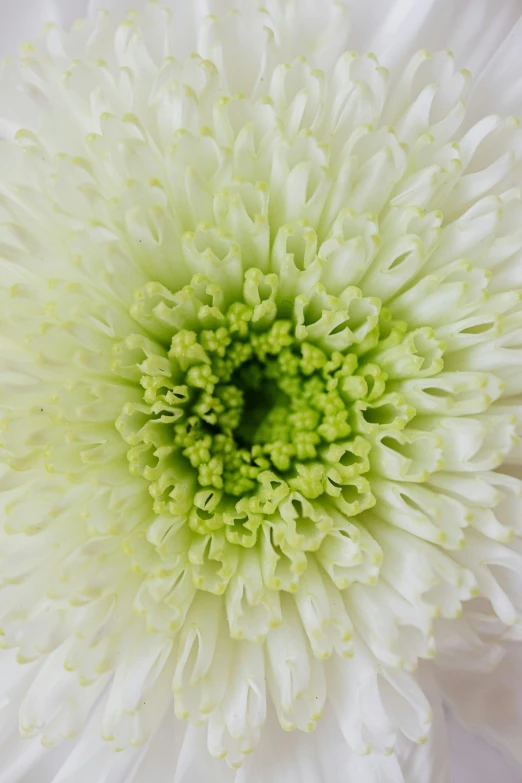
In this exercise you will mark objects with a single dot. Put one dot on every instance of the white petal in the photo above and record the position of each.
(70, 10)
(195, 764)
(472, 29)
(315, 758)
(469, 643)
(295, 676)
(140, 690)
(474, 760)
(56, 705)
(22, 757)
(428, 763)
(475, 30)
(23, 21)
(92, 758)
(500, 84)
(491, 703)
(159, 760)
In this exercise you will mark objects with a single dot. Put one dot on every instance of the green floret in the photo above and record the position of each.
(335, 427)
(281, 454)
(304, 419)
(186, 348)
(272, 341)
(231, 400)
(215, 341)
(199, 452)
(292, 387)
(235, 358)
(238, 318)
(288, 363)
(313, 359)
(275, 427)
(240, 474)
(305, 445)
(211, 474)
(201, 377)
(310, 480)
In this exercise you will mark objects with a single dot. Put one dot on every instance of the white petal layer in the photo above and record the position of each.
(430, 762)
(491, 703)
(482, 34)
(475, 760)
(23, 20)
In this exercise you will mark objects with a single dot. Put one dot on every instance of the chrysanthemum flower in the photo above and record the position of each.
(261, 329)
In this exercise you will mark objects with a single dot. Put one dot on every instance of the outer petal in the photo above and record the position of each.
(22, 21)
(84, 760)
(474, 760)
(491, 703)
(315, 758)
(159, 760)
(474, 30)
(195, 764)
(428, 763)
(69, 10)
(500, 83)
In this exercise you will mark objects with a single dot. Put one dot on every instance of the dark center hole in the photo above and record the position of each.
(260, 395)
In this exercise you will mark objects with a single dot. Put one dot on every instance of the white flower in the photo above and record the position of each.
(261, 357)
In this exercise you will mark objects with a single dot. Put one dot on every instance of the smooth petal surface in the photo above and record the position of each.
(315, 758)
(23, 20)
(476, 761)
(500, 80)
(472, 29)
(431, 762)
(478, 32)
(491, 703)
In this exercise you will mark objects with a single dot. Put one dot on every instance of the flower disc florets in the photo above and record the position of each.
(261, 401)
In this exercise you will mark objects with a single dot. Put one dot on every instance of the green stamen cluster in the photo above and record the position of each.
(253, 402)
(262, 402)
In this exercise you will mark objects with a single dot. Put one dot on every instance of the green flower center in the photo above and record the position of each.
(255, 398)
(263, 402)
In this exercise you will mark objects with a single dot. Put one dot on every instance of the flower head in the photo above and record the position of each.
(261, 345)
